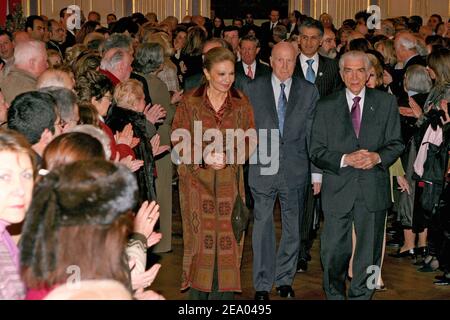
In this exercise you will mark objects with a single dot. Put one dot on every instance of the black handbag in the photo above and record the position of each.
(240, 215)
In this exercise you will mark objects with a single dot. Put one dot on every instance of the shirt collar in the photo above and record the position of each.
(351, 96)
(253, 65)
(304, 58)
(276, 82)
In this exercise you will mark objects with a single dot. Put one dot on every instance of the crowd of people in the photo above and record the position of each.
(96, 127)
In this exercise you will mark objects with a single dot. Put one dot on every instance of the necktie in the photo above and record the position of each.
(250, 72)
(282, 105)
(356, 115)
(310, 75)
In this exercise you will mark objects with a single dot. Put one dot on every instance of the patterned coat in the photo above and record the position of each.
(207, 196)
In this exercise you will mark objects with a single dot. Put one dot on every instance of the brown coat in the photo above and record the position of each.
(207, 197)
(16, 82)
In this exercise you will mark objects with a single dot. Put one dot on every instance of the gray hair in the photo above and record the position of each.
(110, 63)
(97, 134)
(252, 39)
(408, 44)
(417, 79)
(65, 101)
(354, 55)
(117, 41)
(149, 58)
(280, 31)
(26, 50)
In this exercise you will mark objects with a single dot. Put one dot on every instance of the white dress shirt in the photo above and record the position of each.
(252, 66)
(276, 84)
(304, 64)
(350, 96)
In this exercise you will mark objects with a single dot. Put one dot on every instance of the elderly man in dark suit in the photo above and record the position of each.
(355, 139)
(283, 107)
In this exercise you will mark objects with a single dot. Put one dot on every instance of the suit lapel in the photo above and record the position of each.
(293, 97)
(368, 116)
(344, 112)
(269, 98)
(321, 69)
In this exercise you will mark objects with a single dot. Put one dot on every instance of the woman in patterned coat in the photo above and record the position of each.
(208, 185)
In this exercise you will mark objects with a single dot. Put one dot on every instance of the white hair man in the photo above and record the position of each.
(30, 61)
(116, 65)
(407, 51)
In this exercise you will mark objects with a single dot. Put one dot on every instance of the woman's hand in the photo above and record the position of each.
(146, 218)
(387, 78)
(416, 109)
(176, 97)
(444, 107)
(156, 147)
(133, 165)
(155, 114)
(217, 161)
(406, 112)
(126, 136)
(145, 279)
(403, 184)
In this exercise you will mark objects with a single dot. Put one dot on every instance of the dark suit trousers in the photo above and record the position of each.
(270, 266)
(336, 250)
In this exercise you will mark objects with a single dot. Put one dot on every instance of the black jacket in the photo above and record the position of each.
(118, 118)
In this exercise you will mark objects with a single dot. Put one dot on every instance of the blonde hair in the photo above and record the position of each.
(127, 93)
(386, 48)
(375, 63)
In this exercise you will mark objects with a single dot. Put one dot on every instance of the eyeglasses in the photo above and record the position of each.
(306, 38)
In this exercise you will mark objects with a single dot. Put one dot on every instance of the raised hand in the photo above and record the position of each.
(415, 108)
(155, 113)
(133, 165)
(126, 136)
(146, 218)
(145, 279)
(156, 147)
(177, 96)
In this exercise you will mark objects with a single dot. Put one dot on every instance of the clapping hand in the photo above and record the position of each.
(126, 136)
(146, 218)
(156, 147)
(176, 97)
(155, 114)
(415, 108)
(145, 279)
(444, 107)
(133, 165)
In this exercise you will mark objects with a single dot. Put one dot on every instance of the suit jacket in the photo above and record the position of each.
(398, 77)
(294, 163)
(333, 136)
(328, 79)
(266, 36)
(261, 69)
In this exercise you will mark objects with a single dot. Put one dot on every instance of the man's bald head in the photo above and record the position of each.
(31, 56)
(55, 78)
(283, 60)
(21, 36)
